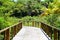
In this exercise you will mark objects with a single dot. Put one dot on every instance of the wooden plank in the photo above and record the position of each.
(7, 35)
(55, 34)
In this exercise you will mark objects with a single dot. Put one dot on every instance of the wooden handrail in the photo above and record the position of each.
(15, 28)
(51, 26)
(51, 30)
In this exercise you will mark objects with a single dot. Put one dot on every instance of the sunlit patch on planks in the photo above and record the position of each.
(31, 33)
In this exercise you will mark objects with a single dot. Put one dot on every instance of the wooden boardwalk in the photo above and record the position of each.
(20, 32)
(31, 33)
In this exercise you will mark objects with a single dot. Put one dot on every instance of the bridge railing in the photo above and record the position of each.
(51, 30)
(31, 23)
(11, 31)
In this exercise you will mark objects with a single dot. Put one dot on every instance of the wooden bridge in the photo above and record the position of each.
(35, 31)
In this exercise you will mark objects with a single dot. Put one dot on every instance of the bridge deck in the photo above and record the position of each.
(30, 33)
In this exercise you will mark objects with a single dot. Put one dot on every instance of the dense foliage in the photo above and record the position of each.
(12, 11)
(51, 14)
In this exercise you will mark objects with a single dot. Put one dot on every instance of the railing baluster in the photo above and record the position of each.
(7, 35)
(55, 34)
(20, 26)
(50, 32)
(14, 30)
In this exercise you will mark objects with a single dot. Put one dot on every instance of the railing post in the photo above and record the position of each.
(33, 23)
(7, 35)
(55, 34)
(58, 35)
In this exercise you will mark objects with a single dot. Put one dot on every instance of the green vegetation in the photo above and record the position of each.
(51, 15)
(12, 11)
